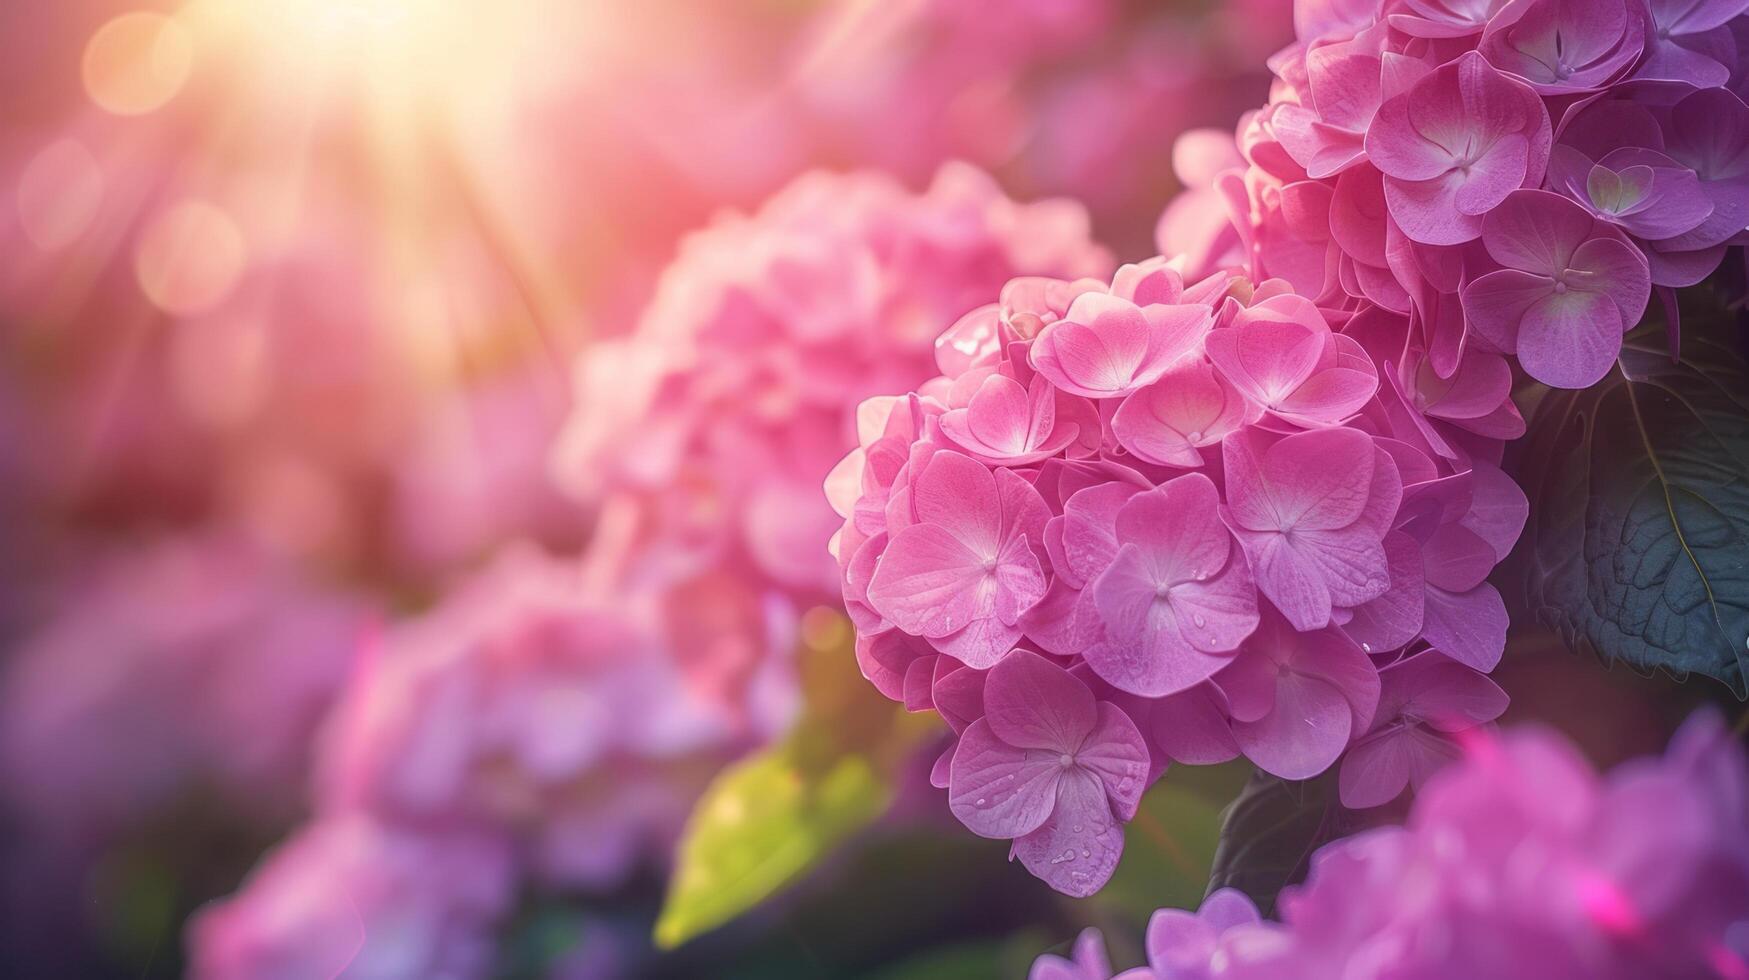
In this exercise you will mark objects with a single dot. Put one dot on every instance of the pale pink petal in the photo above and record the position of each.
(958, 494)
(1168, 421)
(930, 584)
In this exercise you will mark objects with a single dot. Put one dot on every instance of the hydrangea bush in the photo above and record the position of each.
(1520, 862)
(1138, 521)
(1245, 500)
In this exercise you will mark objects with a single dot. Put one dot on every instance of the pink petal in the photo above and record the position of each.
(930, 584)
(1615, 268)
(1168, 421)
(1498, 173)
(1427, 210)
(1032, 703)
(1078, 848)
(1536, 231)
(1457, 559)
(1571, 340)
(1192, 727)
(1498, 509)
(1470, 627)
(1090, 528)
(1497, 303)
(1304, 733)
(981, 644)
(958, 494)
(1291, 580)
(1378, 769)
(1320, 480)
(999, 790)
(1144, 651)
(1116, 752)
(1393, 619)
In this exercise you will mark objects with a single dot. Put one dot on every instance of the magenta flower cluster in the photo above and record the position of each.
(1137, 522)
(703, 435)
(1510, 177)
(1519, 863)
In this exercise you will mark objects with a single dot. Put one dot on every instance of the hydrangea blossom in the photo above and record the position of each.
(546, 722)
(1196, 522)
(1434, 159)
(196, 661)
(526, 704)
(1180, 945)
(352, 897)
(1519, 862)
(704, 434)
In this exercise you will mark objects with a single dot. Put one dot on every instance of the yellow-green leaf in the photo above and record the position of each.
(760, 825)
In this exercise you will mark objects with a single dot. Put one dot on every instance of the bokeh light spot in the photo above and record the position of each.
(190, 258)
(58, 194)
(137, 62)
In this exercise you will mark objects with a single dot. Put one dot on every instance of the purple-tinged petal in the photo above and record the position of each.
(1032, 703)
(1000, 790)
(1116, 752)
(1078, 848)
(1468, 627)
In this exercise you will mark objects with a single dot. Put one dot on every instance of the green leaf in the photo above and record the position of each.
(761, 824)
(1638, 540)
(1270, 831)
(769, 818)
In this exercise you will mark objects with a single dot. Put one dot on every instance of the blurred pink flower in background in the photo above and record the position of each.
(1519, 861)
(523, 732)
(706, 432)
(193, 663)
(350, 897)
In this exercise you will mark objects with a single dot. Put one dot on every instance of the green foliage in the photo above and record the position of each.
(769, 818)
(1270, 831)
(1638, 541)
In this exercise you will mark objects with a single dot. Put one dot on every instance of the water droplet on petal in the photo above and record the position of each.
(1199, 621)
(1086, 853)
(982, 802)
(1194, 436)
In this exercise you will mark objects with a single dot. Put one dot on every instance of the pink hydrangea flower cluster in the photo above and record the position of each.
(1514, 178)
(703, 435)
(523, 731)
(1140, 521)
(195, 662)
(1519, 863)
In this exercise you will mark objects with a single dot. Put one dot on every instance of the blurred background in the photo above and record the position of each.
(367, 608)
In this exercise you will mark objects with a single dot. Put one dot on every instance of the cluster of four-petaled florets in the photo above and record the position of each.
(1140, 522)
(1510, 177)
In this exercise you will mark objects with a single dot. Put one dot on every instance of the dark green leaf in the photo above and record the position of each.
(1269, 833)
(1638, 541)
